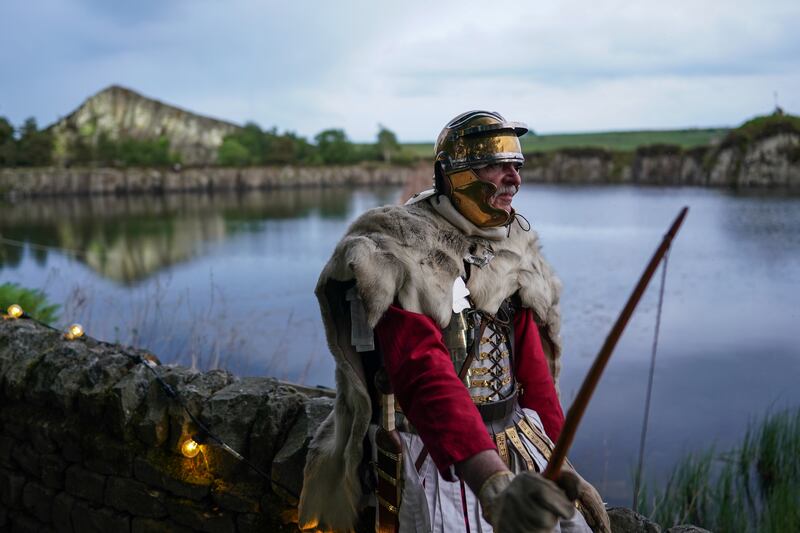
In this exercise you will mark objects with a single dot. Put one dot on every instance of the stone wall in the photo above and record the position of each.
(89, 441)
(58, 181)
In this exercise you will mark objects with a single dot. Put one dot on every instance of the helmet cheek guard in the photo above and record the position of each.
(471, 197)
(473, 140)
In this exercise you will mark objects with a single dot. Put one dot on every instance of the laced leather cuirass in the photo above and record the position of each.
(481, 348)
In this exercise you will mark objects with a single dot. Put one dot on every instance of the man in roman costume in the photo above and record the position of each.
(443, 318)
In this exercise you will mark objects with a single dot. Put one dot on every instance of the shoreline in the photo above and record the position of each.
(770, 163)
(57, 181)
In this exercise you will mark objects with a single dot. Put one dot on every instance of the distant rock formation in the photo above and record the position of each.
(764, 155)
(121, 113)
(769, 161)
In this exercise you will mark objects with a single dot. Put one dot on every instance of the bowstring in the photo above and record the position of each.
(646, 420)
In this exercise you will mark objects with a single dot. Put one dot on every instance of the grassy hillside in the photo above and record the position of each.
(761, 127)
(622, 140)
(611, 140)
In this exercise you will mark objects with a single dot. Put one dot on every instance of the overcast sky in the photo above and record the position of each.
(560, 66)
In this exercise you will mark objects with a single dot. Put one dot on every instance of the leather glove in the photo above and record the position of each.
(592, 506)
(527, 502)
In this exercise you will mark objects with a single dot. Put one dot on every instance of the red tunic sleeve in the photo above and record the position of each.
(539, 392)
(428, 390)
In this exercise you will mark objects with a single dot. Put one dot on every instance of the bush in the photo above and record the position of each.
(655, 150)
(232, 153)
(145, 152)
(33, 301)
(587, 152)
(334, 147)
(8, 146)
(252, 146)
(34, 148)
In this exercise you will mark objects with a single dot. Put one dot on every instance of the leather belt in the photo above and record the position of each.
(499, 410)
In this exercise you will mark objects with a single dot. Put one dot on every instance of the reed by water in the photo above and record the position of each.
(752, 488)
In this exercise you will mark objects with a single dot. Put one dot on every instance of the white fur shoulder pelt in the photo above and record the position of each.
(412, 255)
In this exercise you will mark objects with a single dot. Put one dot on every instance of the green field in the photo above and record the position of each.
(611, 140)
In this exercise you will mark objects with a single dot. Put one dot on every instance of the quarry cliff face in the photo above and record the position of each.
(122, 113)
(772, 161)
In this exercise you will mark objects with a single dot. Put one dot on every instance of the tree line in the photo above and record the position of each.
(28, 146)
(123, 152)
(253, 146)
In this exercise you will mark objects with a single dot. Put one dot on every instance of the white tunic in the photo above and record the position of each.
(431, 504)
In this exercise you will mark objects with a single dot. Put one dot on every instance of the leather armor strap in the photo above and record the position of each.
(423, 454)
(502, 446)
(516, 442)
(462, 372)
(536, 438)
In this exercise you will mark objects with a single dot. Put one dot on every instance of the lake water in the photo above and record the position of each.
(227, 281)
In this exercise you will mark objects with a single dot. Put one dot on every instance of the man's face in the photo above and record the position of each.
(504, 176)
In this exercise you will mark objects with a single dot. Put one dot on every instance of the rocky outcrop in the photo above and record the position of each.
(59, 181)
(771, 161)
(121, 113)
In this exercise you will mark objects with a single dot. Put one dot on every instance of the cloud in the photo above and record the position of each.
(306, 66)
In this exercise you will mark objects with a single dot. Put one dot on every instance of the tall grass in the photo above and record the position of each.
(752, 488)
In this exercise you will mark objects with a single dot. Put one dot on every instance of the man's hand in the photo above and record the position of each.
(527, 502)
(594, 510)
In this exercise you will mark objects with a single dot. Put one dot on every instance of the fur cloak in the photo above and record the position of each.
(412, 255)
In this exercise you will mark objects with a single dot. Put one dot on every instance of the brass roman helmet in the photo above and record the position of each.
(469, 141)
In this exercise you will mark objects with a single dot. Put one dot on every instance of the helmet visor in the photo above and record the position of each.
(497, 147)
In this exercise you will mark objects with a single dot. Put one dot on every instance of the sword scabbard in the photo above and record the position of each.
(388, 469)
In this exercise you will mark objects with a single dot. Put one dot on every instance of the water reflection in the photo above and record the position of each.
(127, 239)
